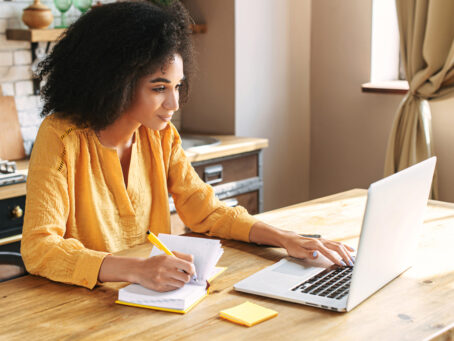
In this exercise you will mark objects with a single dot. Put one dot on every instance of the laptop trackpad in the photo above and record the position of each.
(298, 267)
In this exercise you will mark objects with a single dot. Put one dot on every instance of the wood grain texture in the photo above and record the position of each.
(34, 35)
(11, 191)
(53, 34)
(11, 142)
(418, 305)
(230, 145)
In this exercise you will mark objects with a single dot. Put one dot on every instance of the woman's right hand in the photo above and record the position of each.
(164, 272)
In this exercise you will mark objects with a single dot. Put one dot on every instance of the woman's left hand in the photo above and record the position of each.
(310, 248)
(301, 247)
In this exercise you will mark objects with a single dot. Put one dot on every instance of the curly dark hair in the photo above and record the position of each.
(92, 72)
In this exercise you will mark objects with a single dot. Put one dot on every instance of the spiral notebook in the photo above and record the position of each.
(206, 252)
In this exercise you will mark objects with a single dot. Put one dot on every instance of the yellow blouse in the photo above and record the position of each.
(78, 208)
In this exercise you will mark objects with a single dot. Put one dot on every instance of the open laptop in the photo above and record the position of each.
(391, 225)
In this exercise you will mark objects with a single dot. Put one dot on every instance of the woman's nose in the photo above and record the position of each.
(171, 101)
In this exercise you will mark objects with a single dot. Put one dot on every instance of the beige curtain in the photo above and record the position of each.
(427, 51)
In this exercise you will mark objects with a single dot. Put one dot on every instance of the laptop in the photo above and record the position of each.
(389, 235)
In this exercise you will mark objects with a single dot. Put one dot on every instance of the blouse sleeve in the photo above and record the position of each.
(45, 250)
(197, 204)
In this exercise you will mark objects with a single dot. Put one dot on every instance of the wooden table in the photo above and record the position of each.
(419, 305)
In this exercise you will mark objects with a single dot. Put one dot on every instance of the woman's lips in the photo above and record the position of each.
(165, 118)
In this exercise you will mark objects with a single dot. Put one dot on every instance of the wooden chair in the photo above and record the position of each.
(11, 265)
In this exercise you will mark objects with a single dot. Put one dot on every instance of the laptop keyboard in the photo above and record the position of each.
(333, 282)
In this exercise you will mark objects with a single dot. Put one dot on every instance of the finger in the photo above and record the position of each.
(173, 283)
(181, 276)
(306, 253)
(349, 248)
(315, 246)
(330, 255)
(184, 265)
(341, 251)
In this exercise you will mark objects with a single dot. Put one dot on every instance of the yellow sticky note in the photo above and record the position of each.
(247, 314)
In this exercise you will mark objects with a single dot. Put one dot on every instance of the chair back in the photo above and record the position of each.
(11, 265)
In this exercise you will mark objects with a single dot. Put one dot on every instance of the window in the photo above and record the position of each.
(386, 74)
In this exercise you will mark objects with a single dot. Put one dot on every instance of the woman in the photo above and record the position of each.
(106, 156)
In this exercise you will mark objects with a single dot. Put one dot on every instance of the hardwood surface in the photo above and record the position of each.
(11, 142)
(34, 35)
(53, 34)
(418, 305)
(230, 145)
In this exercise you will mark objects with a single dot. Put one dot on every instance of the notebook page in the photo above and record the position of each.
(206, 252)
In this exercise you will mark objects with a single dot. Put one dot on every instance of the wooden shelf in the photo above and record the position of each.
(52, 34)
(34, 36)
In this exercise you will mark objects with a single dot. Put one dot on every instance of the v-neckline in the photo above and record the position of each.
(126, 178)
(113, 171)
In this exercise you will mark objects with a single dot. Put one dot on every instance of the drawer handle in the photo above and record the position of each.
(212, 174)
(17, 212)
(232, 202)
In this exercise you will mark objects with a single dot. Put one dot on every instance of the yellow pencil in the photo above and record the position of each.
(156, 242)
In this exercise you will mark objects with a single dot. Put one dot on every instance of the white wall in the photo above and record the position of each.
(272, 57)
(211, 108)
(349, 128)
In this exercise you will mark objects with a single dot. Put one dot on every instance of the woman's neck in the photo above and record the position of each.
(119, 134)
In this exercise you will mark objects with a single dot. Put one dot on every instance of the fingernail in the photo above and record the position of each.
(315, 254)
(350, 262)
(343, 263)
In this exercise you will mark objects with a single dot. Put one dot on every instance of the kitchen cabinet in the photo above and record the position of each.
(12, 208)
(11, 220)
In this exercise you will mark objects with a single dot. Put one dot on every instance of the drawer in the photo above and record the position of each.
(11, 216)
(250, 201)
(230, 169)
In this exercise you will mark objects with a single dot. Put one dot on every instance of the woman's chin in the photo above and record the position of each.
(159, 126)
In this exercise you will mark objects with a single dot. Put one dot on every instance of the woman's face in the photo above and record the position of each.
(157, 96)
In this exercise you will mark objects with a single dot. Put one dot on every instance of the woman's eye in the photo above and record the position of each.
(159, 89)
(179, 86)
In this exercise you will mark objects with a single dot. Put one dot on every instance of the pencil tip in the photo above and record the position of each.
(148, 232)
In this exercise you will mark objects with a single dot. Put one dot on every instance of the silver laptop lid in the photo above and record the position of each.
(391, 225)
